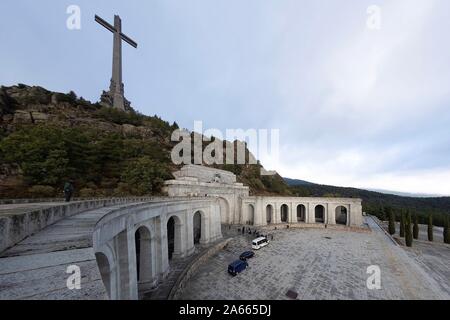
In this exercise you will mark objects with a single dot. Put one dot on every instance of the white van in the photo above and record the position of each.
(259, 243)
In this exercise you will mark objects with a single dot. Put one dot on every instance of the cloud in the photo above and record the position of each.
(355, 107)
(373, 109)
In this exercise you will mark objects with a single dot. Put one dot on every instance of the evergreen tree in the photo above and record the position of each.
(391, 221)
(383, 213)
(430, 227)
(416, 227)
(408, 232)
(402, 224)
(446, 231)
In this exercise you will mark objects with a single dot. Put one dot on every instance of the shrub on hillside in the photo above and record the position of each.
(87, 193)
(39, 191)
(145, 176)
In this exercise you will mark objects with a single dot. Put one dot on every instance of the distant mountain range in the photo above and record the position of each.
(408, 194)
(298, 182)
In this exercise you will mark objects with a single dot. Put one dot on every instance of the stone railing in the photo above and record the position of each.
(40, 200)
(14, 227)
(380, 224)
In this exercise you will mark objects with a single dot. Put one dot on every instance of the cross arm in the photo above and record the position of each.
(105, 24)
(128, 40)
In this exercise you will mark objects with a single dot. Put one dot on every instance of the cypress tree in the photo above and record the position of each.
(402, 224)
(383, 213)
(416, 227)
(408, 232)
(430, 227)
(391, 221)
(446, 231)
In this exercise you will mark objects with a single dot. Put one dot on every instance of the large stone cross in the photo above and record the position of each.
(115, 97)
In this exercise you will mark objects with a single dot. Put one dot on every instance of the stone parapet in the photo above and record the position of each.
(15, 227)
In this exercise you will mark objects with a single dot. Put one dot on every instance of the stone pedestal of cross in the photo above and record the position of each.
(115, 96)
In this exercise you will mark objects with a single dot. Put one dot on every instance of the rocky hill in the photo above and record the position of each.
(47, 138)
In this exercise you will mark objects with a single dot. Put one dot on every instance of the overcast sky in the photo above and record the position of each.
(355, 106)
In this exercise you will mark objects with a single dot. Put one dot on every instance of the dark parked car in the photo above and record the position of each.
(247, 255)
(237, 267)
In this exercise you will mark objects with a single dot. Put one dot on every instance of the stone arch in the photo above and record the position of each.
(144, 257)
(225, 217)
(269, 214)
(319, 213)
(250, 214)
(284, 213)
(174, 239)
(301, 213)
(341, 215)
(105, 271)
(198, 226)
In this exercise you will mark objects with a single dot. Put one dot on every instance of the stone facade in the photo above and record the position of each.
(218, 199)
(237, 207)
(198, 181)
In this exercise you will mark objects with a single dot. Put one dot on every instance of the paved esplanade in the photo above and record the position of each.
(317, 264)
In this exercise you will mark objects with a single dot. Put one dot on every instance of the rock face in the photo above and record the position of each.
(23, 104)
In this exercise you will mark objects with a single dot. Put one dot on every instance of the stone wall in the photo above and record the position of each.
(177, 290)
(205, 174)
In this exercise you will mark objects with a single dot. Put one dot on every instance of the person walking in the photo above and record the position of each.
(68, 191)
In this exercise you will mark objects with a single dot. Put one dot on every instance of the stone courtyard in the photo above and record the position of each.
(320, 264)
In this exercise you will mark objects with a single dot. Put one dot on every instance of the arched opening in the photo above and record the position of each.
(301, 213)
(174, 237)
(144, 266)
(251, 215)
(320, 214)
(269, 214)
(105, 271)
(341, 215)
(197, 227)
(284, 213)
(224, 211)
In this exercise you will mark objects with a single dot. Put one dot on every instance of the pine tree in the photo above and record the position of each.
(416, 227)
(402, 224)
(391, 221)
(446, 231)
(408, 232)
(430, 227)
